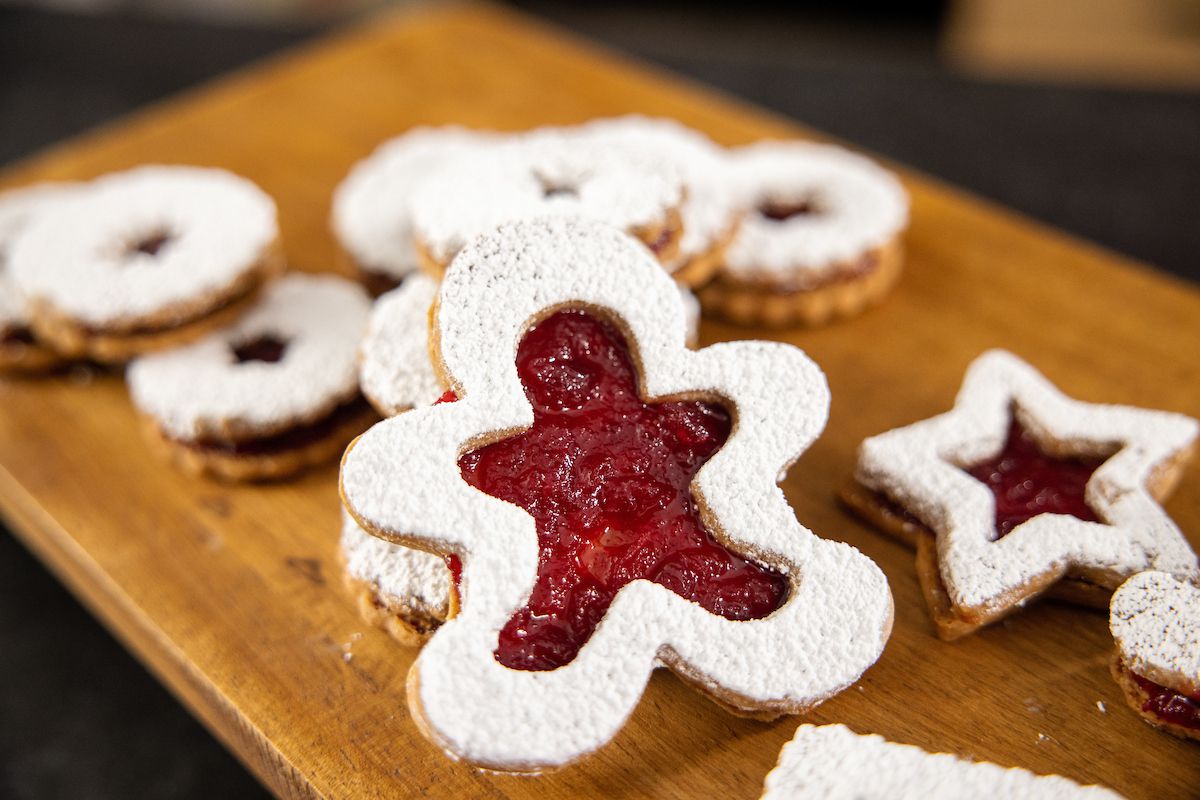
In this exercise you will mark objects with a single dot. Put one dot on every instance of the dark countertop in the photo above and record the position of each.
(82, 719)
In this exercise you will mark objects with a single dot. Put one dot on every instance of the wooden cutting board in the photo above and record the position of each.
(233, 595)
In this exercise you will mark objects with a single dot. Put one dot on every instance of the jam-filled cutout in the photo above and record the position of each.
(779, 210)
(266, 348)
(1169, 705)
(1027, 482)
(607, 477)
(149, 245)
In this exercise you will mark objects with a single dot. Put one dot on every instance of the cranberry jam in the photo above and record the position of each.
(1169, 705)
(1027, 482)
(606, 477)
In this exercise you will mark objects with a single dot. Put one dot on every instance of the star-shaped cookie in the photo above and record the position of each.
(1020, 487)
(537, 329)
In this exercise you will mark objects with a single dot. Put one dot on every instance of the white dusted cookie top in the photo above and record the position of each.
(923, 468)
(832, 762)
(372, 206)
(411, 578)
(545, 174)
(401, 480)
(225, 387)
(145, 242)
(394, 369)
(710, 209)
(17, 209)
(1155, 622)
(844, 206)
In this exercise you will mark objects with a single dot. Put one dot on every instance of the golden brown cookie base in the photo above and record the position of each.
(25, 358)
(1136, 697)
(408, 626)
(277, 465)
(662, 239)
(952, 623)
(844, 297)
(179, 325)
(373, 280)
(700, 269)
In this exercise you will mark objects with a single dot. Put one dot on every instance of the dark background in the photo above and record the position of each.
(80, 718)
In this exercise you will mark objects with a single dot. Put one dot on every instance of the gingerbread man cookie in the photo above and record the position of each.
(272, 394)
(20, 349)
(372, 207)
(833, 762)
(548, 173)
(1020, 488)
(612, 498)
(1155, 622)
(820, 240)
(144, 260)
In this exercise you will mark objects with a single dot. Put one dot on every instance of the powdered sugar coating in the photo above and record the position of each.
(17, 209)
(394, 368)
(858, 206)
(201, 391)
(835, 763)
(402, 576)
(1155, 621)
(710, 209)
(838, 613)
(372, 206)
(78, 259)
(540, 175)
(919, 466)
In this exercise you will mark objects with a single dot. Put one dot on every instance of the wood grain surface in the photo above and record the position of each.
(233, 595)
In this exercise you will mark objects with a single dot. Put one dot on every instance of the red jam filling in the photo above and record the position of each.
(780, 211)
(1169, 705)
(1027, 482)
(151, 245)
(268, 349)
(607, 479)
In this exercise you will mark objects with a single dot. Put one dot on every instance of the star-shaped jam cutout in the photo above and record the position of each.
(1026, 481)
(606, 478)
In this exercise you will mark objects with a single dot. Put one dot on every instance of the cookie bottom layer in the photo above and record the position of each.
(841, 298)
(274, 458)
(177, 326)
(404, 622)
(375, 281)
(953, 623)
(22, 354)
(1137, 697)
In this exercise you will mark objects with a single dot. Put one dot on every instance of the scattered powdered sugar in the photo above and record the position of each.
(919, 467)
(856, 205)
(17, 208)
(372, 207)
(835, 763)
(201, 390)
(538, 175)
(401, 479)
(401, 575)
(1155, 621)
(82, 258)
(394, 368)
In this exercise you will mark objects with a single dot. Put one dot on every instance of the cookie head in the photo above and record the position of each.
(611, 496)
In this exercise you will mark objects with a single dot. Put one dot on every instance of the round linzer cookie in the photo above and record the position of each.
(548, 174)
(395, 371)
(406, 592)
(146, 259)
(820, 239)
(372, 207)
(1019, 490)
(20, 350)
(268, 396)
(710, 212)
(608, 515)
(1155, 622)
(833, 762)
